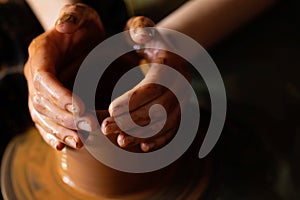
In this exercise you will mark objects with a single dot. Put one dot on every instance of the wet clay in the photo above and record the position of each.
(78, 169)
(32, 170)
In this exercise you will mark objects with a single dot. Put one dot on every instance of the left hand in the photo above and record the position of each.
(146, 93)
(54, 59)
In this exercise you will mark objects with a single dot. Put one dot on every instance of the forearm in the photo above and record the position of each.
(208, 21)
(47, 11)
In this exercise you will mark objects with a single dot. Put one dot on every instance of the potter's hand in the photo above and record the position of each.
(146, 94)
(54, 58)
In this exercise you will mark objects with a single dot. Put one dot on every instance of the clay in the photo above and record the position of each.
(78, 169)
(31, 169)
(139, 34)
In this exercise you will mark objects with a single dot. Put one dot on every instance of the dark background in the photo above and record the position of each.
(259, 150)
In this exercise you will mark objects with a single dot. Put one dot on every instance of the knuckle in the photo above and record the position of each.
(59, 135)
(65, 121)
(31, 46)
(113, 107)
(37, 77)
(50, 139)
(34, 119)
(26, 70)
(37, 104)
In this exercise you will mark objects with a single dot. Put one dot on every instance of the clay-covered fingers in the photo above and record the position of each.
(140, 113)
(57, 93)
(138, 31)
(124, 140)
(164, 135)
(142, 32)
(59, 134)
(50, 98)
(109, 126)
(54, 59)
(73, 16)
(45, 107)
(49, 87)
(50, 139)
(153, 45)
(137, 97)
(159, 141)
(141, 117)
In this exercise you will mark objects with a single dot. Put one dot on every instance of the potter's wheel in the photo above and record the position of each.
(28, 172)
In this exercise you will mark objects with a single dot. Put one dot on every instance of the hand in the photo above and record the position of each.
(146, 94)
(54, 58)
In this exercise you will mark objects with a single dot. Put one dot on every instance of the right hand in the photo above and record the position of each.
(54, 59)
(147, 93)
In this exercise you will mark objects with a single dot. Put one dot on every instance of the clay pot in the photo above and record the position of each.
(33, 170)
(81, 171)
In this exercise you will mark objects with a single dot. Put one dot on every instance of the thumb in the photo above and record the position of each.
(74, 16)
(137, 27)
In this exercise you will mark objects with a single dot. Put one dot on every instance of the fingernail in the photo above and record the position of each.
(128, 140)
(67, 17)
(104, 127)
(71, 108)
(121, 140)
(84, 125)
(147, 146)
(124, 141)
(71, 141)
(56, 145)
(59, 146)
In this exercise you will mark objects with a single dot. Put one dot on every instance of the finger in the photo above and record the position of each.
(165, 134)
(141, 115)
(51, 88)
(138, 96)
(109, 126)
(65, 117)
(73, 16)
(141, 34)
(50, 139)
(49, 50)
(138, 33)
(158, 142)
(56, 114)
(41, 69)
(87, 122)
(63, 134)
(171, 122)
(46, 85)
(125, 140)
